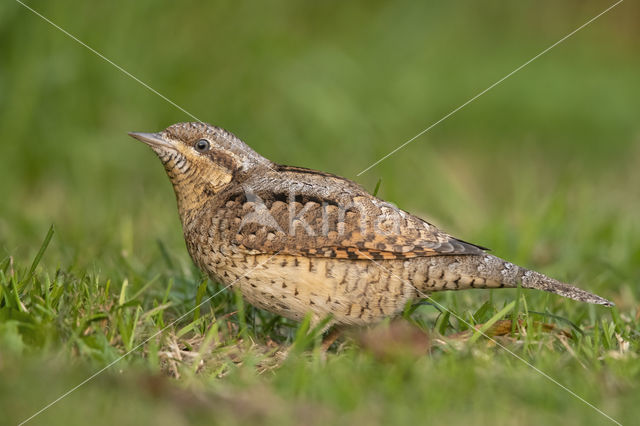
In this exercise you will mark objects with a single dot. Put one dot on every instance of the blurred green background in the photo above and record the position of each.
(544, 168)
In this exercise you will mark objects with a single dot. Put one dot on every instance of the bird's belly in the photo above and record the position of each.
(353, 292)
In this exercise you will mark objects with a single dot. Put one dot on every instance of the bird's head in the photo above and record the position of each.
(200, 159)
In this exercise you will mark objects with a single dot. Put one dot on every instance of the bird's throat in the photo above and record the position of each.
(193, 191)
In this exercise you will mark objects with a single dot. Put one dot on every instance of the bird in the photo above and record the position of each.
(300, 242)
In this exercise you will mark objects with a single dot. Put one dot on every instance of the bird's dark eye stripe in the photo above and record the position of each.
(202, 145)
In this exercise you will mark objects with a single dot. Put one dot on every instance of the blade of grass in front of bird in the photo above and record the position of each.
(443, 323)
(202, 289)
(487, 325)
(516, 311)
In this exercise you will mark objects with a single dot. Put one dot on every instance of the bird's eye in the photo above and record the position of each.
(202, 145)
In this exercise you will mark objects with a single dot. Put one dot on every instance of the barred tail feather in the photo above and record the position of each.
(488, 271)
(538, 281)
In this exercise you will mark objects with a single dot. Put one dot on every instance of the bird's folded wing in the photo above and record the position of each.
(360, 227)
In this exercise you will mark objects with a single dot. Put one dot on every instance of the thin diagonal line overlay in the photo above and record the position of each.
(94, 375)
(373, 165)
(545, 375)
(490, 87)
(125, 72)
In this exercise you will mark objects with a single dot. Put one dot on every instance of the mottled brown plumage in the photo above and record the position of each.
(298, 241)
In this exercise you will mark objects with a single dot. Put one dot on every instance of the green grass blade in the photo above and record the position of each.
(43, 247)
(123, 292)
(483, 330)
(377, 188)
(516, 312)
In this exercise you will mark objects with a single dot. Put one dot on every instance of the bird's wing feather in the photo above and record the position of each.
(300, 218)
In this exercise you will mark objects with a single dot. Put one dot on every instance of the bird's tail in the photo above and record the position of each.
(488, 271)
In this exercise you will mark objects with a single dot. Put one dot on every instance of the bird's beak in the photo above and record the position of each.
(152, 139)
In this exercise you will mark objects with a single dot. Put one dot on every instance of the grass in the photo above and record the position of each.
(228, 362)
(543, 169)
